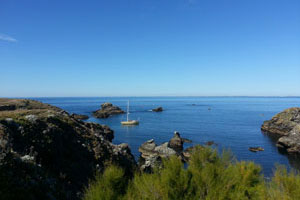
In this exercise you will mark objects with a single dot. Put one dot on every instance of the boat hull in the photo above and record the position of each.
(129, 123)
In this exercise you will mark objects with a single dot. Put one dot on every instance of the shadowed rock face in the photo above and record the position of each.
(45, 153)
(151, 154)
(107, 109)
(287, 125)
(291, 142)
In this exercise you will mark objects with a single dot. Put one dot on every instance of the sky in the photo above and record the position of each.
(54, 48)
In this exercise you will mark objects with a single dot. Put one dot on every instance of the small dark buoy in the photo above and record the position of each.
(209, 108)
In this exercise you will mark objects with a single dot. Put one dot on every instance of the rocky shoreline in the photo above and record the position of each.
(286, 125)
(46, 153)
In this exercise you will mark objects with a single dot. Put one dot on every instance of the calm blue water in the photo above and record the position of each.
(232, 122)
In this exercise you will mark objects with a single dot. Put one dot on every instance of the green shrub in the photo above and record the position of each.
(110, 185)
(284, 185)
(209, 176)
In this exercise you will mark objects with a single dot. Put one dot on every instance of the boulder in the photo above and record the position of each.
(159, 109)
(45, 153)
(152, 154)
(176, 142)
(285, 124)
(107, 109)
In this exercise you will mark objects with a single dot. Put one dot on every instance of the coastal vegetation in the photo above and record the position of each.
(208, 175)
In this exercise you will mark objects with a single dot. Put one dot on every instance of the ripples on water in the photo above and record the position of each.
(231, 122)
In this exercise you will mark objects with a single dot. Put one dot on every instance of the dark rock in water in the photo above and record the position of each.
(107, 109)
(287, 125)
(210, 143)
(256, 149)
(159, 109)
(47, 154)
(176, 142)
(151, 154)
(79, 117)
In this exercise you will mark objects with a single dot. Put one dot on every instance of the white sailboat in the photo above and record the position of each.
(129, 122)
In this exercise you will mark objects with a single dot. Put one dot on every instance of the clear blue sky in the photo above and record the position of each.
(149, 47)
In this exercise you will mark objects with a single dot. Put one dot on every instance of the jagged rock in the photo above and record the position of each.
(283, 122)
(147, 148)
(164, 150)
(176, 142)
(79, 117)
(107, 109)
(151, 154)
(291, 142)
(287, 125)
(159, 109)
(47, 154)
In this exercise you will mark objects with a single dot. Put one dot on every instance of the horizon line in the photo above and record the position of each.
(267, 96)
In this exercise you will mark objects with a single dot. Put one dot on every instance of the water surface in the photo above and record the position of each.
(231, 122)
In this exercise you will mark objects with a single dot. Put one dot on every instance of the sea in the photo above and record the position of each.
(232, 123)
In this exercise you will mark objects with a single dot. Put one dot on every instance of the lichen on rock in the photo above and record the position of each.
(285, 124)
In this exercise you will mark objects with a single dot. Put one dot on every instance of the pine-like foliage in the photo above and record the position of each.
(208, 176)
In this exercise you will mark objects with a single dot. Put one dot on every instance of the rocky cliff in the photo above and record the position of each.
(45, 153)
(286, 124)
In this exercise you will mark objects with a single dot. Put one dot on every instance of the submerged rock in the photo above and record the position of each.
(287, 125)
(159, 109)
(210, 143)
(107, 109)
(151, 154)
(256, 149)
(47, 154)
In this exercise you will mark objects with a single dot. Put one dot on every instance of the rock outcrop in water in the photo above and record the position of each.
(287, 125)
(159, 109)
(152, 154)
(45, 153)
(107, 109)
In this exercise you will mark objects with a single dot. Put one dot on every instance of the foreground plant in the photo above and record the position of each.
(208, 176)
